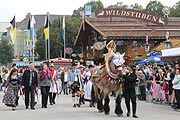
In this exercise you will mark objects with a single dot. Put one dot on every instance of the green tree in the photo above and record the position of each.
(154, 7)
(174, 11)
(77, 13)
(6, 51)
(136, 6)
(94, 6)
(118, 5)
(40, 45)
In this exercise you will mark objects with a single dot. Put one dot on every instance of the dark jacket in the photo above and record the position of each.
(26, 79)
(129, 80)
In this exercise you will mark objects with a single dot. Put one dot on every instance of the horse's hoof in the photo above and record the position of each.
(119, 115)
(106, 113)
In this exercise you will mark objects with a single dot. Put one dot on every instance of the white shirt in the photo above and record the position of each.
(65, 77)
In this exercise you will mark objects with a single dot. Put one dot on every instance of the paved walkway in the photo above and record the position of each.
(63, 110)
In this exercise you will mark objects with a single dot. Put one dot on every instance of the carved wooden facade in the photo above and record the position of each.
(129, 34)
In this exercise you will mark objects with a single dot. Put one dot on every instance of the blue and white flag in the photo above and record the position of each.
(32, 27)
(88, 10)
(63, 28)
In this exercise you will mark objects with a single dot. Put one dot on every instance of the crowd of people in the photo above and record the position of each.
(159, 84)
(153, 83)
(28, 81)
(162, 83)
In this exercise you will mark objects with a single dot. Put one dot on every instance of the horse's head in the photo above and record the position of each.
(115, 65)
(118, 60)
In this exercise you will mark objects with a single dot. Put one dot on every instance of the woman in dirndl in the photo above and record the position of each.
(11, 89)
(88, 88)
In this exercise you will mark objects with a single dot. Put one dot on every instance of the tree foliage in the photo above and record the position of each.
(40, 45)
(118, 5)
(78, 12)
(174, 11)
(6, 51)
(155, 7)
(94, 6)
(136, 6)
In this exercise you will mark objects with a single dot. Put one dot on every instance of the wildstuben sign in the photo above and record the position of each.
(134, 14)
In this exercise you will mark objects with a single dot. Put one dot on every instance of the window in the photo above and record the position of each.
(120, 42)
(135, 43)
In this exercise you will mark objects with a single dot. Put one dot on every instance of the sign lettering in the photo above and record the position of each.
(134, 14)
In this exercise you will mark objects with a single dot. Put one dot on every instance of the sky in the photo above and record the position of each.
(20, 8)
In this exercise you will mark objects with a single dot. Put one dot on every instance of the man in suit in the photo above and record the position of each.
(30, 85)
(129, 90)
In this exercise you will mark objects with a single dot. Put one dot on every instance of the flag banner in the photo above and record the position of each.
(63, 28)
(88, 10)
(12, 37)
(13, 30)
(29, 22)
(46, 28)
(59, 22)
(44, 38)
(32, 27)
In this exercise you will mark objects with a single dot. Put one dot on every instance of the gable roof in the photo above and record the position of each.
(128, 28)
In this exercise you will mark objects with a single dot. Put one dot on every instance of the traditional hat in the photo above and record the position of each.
(81, 66)
(109, 43)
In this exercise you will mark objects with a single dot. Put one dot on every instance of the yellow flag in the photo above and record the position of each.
(46, 28)
(13, 29)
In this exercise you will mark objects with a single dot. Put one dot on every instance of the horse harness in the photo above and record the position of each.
(105, 75)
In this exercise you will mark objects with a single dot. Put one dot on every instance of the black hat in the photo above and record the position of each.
(133, 66)
(73, 64)
(176, 62)
(90, 66)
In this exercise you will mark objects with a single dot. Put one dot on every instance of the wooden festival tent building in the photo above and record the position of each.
(131, 29)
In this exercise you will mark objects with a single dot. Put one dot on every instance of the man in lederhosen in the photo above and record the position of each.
(75, 80)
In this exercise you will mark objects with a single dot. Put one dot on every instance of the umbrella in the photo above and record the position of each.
(154, 58)
(142, 62)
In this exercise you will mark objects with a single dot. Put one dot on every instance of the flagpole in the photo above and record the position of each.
(60, 35)
(31, 51)
(44, 37)
(48, 38)
(15, 40)
(45, 47)
(64, 37)
(32, 18)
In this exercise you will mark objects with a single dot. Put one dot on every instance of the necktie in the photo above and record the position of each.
(30, 80)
